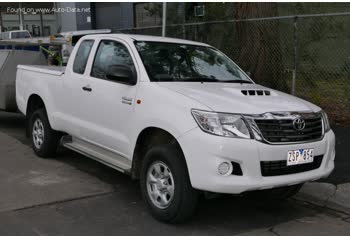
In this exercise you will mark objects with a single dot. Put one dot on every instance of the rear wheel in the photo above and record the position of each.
(44, 139)
(166, 186)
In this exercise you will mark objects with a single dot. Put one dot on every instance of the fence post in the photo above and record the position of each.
(183, 11)
(295, 44)
(164, 20)
(195, 32)
(183, 32)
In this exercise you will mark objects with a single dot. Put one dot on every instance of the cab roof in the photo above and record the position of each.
(146, 38)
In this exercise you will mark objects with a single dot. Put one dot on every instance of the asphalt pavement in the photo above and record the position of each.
(341, 173)
(74, 195)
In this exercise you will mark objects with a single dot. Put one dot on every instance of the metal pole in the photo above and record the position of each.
(295, 42)
(20, 16)
(183, 13)
(0, 20)
(164, 19)
(41, 24)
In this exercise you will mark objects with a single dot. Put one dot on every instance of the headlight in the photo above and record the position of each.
(222, 124)
(326, 124)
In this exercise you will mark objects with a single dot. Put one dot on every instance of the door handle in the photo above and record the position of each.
(87, 89)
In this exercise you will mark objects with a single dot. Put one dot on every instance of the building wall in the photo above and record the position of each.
(11, 22)
(84, 19)
(67, 21)
(113, 16)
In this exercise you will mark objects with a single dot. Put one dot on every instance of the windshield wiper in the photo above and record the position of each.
(238, 81)
(202, 80)
(198, 79)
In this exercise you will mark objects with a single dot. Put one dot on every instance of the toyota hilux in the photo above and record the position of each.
(178, 115)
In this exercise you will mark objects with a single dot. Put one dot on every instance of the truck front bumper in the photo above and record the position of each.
(204, 153)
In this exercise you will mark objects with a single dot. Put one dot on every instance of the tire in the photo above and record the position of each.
(44, 139)
(281, 193)
(180, 203)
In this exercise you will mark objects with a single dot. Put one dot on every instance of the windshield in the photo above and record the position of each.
(188, 63)
(23, 34)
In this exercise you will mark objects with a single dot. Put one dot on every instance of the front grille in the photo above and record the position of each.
(277, 168)
(282, 130)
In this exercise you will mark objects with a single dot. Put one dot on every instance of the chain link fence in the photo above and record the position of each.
(304, 55)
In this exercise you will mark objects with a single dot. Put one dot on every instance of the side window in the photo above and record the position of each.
(110, 53)
(82, 56)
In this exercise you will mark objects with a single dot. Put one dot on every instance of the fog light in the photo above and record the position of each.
(224, 168)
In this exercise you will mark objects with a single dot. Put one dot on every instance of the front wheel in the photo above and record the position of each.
(44, 139)
(166, 186)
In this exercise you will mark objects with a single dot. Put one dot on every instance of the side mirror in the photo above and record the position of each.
(122, 73)
(249, 74)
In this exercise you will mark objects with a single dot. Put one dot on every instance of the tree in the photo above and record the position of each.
(259, 45)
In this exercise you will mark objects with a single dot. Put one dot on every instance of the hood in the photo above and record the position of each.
(240, 98)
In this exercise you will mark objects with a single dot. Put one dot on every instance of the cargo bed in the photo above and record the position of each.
(51, 70)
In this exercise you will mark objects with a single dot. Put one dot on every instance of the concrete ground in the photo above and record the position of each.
(73, 195)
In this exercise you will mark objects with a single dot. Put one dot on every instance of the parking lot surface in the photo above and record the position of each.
(73, 195)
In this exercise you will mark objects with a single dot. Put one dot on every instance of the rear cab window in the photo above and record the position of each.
(82, 56)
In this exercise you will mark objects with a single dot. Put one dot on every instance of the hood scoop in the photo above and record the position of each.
(256, 92)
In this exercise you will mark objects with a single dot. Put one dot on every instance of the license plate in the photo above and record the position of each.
(300, 156)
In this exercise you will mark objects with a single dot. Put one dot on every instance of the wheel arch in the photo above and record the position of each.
(148, 137)
(34, 103)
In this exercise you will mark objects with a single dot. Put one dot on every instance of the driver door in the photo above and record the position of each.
(111, 102)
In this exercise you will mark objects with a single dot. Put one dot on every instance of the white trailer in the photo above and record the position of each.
(33, 51)
(13, 54)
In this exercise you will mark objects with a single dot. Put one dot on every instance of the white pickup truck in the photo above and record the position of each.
(178, 115)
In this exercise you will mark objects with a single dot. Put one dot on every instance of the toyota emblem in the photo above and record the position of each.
(299, 124)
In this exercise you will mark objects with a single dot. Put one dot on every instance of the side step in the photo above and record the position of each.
(97, 153)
